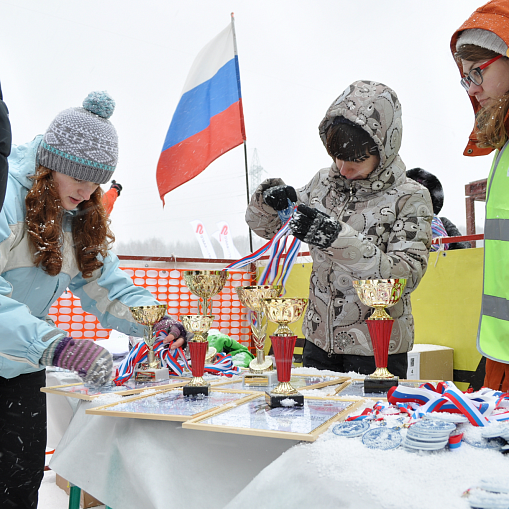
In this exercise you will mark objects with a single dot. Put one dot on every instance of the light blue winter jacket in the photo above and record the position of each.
(27, 292)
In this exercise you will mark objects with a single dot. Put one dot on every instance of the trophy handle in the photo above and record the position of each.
(203, 306)
(259, 324)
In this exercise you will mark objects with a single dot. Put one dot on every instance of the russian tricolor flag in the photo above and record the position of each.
(209, 120)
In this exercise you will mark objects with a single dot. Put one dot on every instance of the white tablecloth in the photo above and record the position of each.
(135, 463)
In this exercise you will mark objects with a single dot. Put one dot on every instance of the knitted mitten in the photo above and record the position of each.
(91, 361)
(277, 197)
(314, 227)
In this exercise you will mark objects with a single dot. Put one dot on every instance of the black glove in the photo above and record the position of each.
(115, 185)
(314, 227)
(277, 196)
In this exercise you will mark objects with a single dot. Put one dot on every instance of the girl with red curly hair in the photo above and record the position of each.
(54, 235)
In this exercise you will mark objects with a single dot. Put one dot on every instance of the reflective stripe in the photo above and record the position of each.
(496, 307)
(496, 229)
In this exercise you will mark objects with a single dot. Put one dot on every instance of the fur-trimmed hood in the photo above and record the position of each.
(432, 184)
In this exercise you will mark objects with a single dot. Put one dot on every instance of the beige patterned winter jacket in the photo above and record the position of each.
(386, 229)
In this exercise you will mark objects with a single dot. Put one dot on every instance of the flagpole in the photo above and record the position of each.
(245, 145)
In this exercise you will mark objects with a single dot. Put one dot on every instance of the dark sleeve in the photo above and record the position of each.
(453, 231)
(5, 147)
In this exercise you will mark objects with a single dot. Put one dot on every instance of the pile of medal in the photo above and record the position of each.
(380, 437)
(489, 494)
(428, 435)
(433, 432)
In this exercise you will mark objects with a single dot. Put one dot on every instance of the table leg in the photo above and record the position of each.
(74, 497)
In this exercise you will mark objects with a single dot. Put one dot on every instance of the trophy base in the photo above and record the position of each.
(210, 356)
(379, 385)
(194, 390)
(276, 400)
(151, 375)
(259, 368)
(262, 379)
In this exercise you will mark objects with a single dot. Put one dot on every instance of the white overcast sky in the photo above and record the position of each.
(295, 56)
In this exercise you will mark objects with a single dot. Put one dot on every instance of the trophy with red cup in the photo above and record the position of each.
(284, 311)
(199, 325)
(380, 294)
(204, 284)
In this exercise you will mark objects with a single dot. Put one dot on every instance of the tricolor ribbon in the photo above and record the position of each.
(140, 354)
(222, 366)
(455, 441)
(367, 414)
(275, 249)
(478, 407)
(174, 360)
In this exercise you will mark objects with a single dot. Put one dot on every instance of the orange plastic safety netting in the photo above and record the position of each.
(168, 287)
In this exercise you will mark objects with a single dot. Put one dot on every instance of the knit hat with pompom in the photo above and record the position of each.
(82, 142)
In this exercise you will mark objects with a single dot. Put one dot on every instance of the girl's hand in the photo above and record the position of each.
(175, 343)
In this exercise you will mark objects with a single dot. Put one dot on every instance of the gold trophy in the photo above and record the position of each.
(150, 371)
(261, 370)
(380, 294)
(198, 346)
(284, 311)
(204, 284)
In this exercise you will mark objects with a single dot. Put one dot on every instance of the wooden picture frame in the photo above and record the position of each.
(316, 382)
(343, 389)
(273, 421)
(138, 407)
(80, 391)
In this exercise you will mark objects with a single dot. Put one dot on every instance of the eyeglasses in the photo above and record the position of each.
(475, 75)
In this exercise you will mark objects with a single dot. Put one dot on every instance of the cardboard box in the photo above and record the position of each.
(430, 362)
(86, 500)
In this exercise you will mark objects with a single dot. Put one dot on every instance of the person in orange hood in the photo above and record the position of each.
(480, 49)
(110, 197)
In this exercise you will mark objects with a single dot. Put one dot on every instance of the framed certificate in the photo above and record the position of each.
(88, 392)
(172, 405)
(255, 417)
(355, 388)
(299, 382)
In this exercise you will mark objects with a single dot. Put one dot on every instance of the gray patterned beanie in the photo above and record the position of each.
(82, 142)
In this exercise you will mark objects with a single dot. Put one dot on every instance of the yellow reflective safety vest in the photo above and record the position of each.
(493, 333)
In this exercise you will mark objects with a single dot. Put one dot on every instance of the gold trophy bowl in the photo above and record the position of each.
(252, 298)
(284, 311)
(198, 345)
(199, 325)
(380, 294)
(148, 316)
(205, 284)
